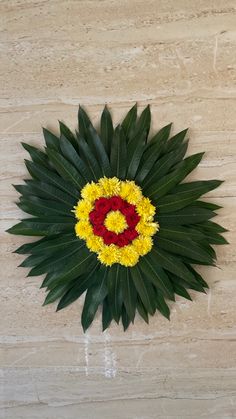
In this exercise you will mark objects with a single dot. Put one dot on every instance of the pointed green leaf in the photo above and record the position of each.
(187, 248)
(96, 145)
(176, 140)
(37, 155)
(156, 275)
(143, 123)
(90, 160)
(119, 153)
(114, 290)
(47, 176)
(125, 319)
(71, 154)
(129, 294)
(180, 233)
(163, 165)
(144, 289)
(142, 311)
(185, 194)
(84, 122)
(171, 263)
(167, 183)
(188, 215)
(67, 133)
(51, 140)
(65, 169)
(106, 314)
(83, 283)
(106, 130)
(94, 297)
(129, 122)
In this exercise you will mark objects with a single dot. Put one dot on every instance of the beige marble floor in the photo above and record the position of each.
(180, 56)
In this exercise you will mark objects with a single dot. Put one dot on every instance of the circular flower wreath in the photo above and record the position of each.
(118, 223)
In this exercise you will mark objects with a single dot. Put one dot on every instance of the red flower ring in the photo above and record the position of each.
(97, 217)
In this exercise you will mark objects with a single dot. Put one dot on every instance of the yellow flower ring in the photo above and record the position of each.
(116, 221)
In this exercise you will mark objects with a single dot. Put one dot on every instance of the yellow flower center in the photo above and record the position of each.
(115, 221)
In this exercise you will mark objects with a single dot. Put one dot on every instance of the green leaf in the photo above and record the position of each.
(67, 133)
(180, 233)
(171, 263)
(37, 155)
(188, 215)
(207, 205)
(185, 194)
(24, 229)
(90, 160)
(119, 153)
(211, 226)
(144, 289)
(129, 122)
(28, 247)
(71, 154)
(106, 129)
(167, 183)
(106, 314)
(65, 169)
(198, 277)
(47, 176)
(142, 311)
(81, 284)
(135, 151)
(36, 206)
(114, 290)
(187, 248)
(176, 140)
(163, 165)
(161, 306)
(156, 275)
(94, 297)
(143, 123)
(81, 263)
(129, 294)
(57, 262)
(180, 290)
(193, 285)
(33, 260)
(56, 293)
(51, 140)
(84, 122)
(53, 245)
(161, 136)
(125, 319)
(96, 144)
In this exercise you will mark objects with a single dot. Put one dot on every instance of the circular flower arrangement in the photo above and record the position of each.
(117, 220)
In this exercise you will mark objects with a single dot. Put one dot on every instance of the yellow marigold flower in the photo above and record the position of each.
(145, 209)
(142, 245)
(91, 191)
(130, 191)
(82, 209)
(128, 256)
(110, 186)
(94, 243)
(83, 229)
(115, 221)
(146, 228)
(109, 255)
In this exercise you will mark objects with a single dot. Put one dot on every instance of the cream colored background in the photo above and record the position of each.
(178, 55)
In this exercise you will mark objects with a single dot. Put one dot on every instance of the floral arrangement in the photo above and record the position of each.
(117, 220)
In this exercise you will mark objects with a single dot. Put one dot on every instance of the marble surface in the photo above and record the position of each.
(179, 56)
